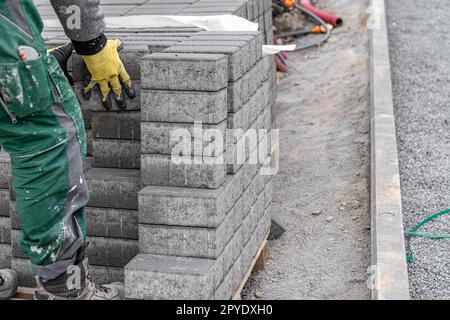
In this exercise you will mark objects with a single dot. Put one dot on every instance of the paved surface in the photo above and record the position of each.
(322, 189)
(421, 74)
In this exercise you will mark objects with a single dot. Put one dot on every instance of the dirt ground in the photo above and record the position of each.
(322, 189)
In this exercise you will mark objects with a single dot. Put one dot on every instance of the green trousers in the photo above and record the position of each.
(41, 127)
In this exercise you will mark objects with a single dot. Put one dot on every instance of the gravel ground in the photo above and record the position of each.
(322, 189)
(420, 46)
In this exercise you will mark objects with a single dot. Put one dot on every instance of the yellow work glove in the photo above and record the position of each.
(108, 72)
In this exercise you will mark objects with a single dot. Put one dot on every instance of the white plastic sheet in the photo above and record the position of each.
(275, 49)
(208, 23)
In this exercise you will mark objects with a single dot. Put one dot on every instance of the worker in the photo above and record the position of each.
(41, 127)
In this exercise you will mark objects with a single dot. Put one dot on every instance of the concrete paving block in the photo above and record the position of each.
(259, 37)
(251, 81)
(225, 289)
(116, 125)
(211, 12)
(158, 9)
(255, 77)
(247, 256)
(154, 277)
(258, 7)
(5, 256)
(249, 171)
(236, 58)
(16, 252)
(249, 224)
(88, 163)
(94, 104)
(183, 206)
(245, 53)
(186, 241)
(268, 24)
(200, 140)
(212, 36)
(89, 143)
(230, 282)
(5, 230)
(106, 275)
(15, 223)
(237, 94)
(184, 71)
(239, 214)
(260, 183)
(251, 247)
(269, 35)
(274, 96)
(268, 193)
(5, 170)
(162, 170)
(268, 116)
(259, 100)
(24, 273)
(87, 118)
(114, 188)
(268, 61)
(242, 118)
(111, 252)
(155, 46)
(250, 11)
(225, 261)
(234, 186)
(112, 223)
(261, 25)
(184, 106)
(4, 203)
(106, 252)
(248, 143)
(100, 274)
(121, 154)
(130, 55)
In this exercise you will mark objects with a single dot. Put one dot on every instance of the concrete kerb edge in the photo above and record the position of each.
(389, 272)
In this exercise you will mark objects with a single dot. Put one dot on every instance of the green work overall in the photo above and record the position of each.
(41, 127)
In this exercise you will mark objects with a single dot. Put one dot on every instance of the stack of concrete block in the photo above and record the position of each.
(199, 227)
(5, 221)
(111, 230)
(181, 231)
(174, 98)
(198, 244)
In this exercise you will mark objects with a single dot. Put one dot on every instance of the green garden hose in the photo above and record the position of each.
(413, 233)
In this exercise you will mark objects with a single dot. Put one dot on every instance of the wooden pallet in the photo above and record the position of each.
(24, 293)
(258, 264)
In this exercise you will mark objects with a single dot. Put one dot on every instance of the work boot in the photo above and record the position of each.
(8, 283)
(65, 287)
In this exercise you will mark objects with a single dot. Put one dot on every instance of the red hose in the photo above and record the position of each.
(279, 42)
(280, 65)
(325, 16)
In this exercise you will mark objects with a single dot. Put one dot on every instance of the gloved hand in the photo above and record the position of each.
(108, 72)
